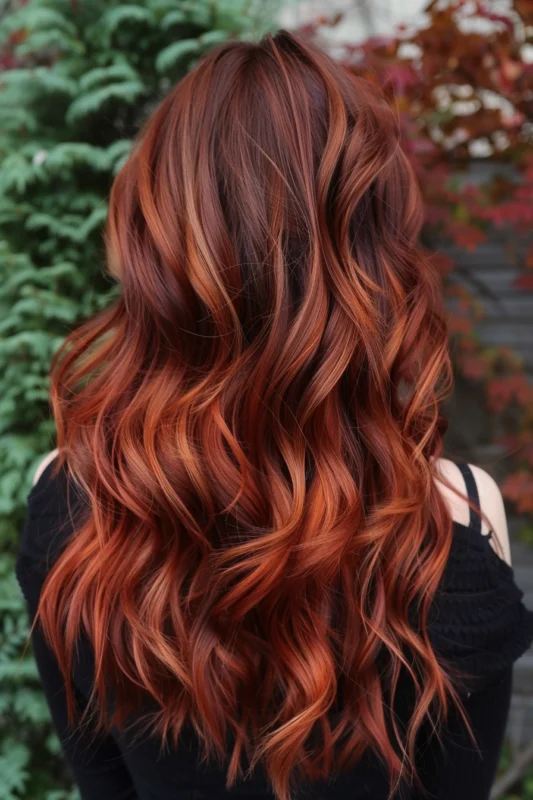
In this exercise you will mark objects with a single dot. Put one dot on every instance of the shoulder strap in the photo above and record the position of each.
(473, 495)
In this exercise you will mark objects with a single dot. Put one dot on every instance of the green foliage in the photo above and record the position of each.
(76, 81)
(523, 788)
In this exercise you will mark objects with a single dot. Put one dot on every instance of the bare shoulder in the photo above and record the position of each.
(490, 498)
(43, 464)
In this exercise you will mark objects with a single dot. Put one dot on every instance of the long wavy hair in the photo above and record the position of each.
(255, 423)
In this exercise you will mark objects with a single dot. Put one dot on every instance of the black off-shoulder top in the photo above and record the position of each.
(478, 625)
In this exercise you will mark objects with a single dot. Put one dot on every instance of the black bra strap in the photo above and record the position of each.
(473, 495)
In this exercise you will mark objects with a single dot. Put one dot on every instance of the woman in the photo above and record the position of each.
(253, 572)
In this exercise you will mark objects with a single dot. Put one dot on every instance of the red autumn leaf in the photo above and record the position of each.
(7, 61)
(502, 391)
(401, 76)
(499, 394)
(518, 487)
(474, 367)
(465, 235)
(524, 282)
(517, 212)
(17, 37)
(469, 190)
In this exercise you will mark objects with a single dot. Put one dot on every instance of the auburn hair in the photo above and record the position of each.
(255, 423)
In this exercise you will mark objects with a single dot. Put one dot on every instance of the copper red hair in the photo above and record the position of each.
(255, 423)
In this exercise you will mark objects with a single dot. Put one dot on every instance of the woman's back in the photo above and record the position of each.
(262, 556)
(478, 624)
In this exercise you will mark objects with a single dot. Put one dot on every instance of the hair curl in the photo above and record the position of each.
(255, 422)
